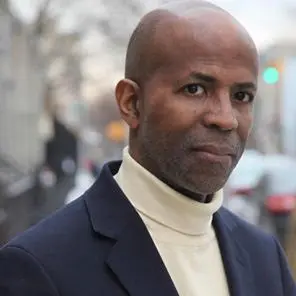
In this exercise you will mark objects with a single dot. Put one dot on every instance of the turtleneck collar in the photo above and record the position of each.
(156, 200)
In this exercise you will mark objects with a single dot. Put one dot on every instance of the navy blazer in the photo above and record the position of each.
(99, 246)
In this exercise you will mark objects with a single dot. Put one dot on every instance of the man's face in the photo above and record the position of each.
(196, 111)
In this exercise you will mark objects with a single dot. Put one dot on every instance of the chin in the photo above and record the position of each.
(208, 186)
(197, 192)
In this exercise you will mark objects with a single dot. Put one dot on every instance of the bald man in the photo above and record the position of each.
(153, 224)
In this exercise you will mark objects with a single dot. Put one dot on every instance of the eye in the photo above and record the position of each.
(244, 97)
(194, 89)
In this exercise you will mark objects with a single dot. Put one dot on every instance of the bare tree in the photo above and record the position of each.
(59, 52)
(119, 20)
(110, 20)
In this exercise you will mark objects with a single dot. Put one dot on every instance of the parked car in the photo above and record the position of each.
(280, 192)
(262, 190)
(242, 187)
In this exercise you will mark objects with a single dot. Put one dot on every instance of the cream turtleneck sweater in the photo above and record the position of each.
(181, 229)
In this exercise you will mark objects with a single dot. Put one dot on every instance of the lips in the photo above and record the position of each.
(215, 154)
(215, 150)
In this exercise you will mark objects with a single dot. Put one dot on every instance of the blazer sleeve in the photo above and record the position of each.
(22, 275)
(289, 286)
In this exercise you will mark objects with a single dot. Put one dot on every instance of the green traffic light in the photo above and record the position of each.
(271, 75)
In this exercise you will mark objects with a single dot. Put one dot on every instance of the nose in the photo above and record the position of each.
(221, 115)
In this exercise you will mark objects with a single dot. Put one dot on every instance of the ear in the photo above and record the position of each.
(127, 97)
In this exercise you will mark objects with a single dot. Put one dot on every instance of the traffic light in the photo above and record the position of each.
(271, 75)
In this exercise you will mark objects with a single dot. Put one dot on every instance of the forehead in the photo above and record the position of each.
(216, 44)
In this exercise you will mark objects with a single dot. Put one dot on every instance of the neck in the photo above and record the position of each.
(202, 198)
(162, 203)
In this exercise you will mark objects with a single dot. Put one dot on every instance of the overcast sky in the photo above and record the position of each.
(264, 19)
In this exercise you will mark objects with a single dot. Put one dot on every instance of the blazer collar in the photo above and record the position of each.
(134, 257)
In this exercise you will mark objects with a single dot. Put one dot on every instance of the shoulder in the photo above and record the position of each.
(263, 249)
(32, 263)
(257, 242)
(57, 232)
(244, 228)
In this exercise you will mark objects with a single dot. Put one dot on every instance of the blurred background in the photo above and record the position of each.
(59, 123)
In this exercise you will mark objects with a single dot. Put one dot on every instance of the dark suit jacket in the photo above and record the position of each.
(99, 246)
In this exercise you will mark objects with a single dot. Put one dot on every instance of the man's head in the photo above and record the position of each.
(190, 79)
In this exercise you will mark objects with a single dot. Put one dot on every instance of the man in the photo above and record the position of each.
(153, 224)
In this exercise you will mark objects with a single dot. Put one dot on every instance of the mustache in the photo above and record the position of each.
(231, 141)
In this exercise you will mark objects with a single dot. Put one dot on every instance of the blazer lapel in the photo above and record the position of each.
(235, 258)
(137, 264)
(133, 258)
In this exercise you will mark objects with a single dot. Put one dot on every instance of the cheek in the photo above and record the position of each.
(245, 121)
(169, 112)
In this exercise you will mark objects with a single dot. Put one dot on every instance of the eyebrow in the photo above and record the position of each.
(211, 79)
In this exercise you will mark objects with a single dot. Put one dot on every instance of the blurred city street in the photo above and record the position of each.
(59, 121)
